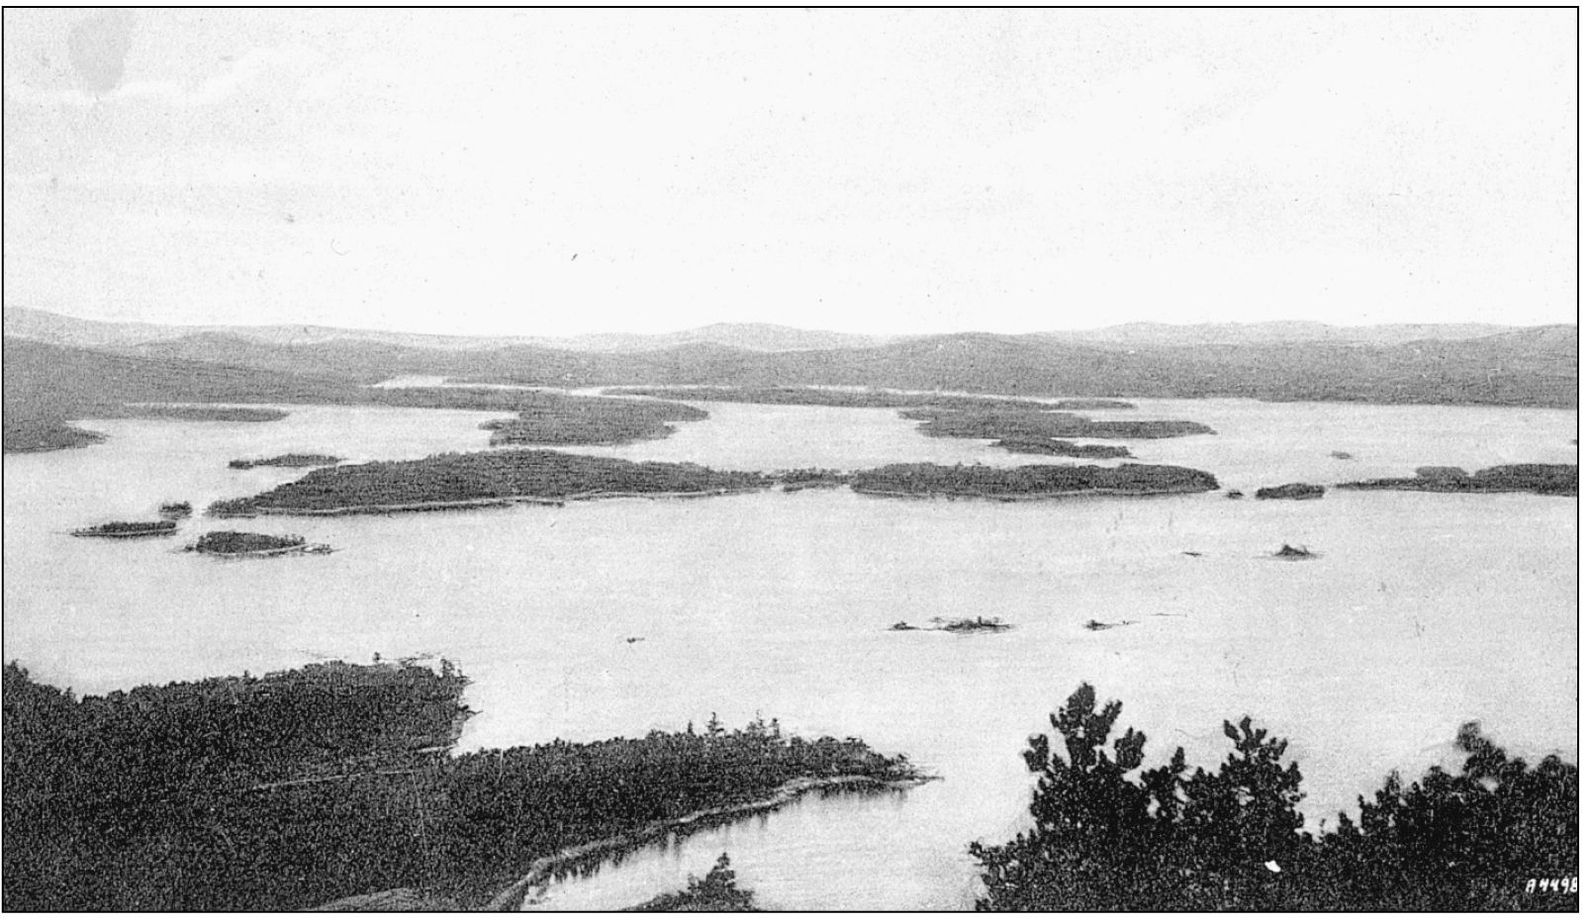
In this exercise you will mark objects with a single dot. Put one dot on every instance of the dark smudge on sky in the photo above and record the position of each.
(99, 47)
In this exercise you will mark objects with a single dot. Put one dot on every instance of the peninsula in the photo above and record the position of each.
(336, 782)
(287, 460)
(556, 419)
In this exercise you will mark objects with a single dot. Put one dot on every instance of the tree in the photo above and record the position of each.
(1090, 821)
(1103, 841)
(1501, 835)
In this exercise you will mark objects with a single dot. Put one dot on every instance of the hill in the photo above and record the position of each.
(60, 329)
(1143, 334)
(45, 385)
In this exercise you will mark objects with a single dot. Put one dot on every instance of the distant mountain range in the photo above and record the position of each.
(49, 327)
(1279, 332)
(59, 368)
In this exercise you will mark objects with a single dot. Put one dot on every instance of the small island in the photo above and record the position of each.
(176, 510)
(287, 460)
(960, 626)
(1029, 482)
(475, 479)
(1051, 447)
(122, 529)
(229, 544)
(1293, 491)
(1534, 478)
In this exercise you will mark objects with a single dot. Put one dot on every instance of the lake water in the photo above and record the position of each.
(1424, 610)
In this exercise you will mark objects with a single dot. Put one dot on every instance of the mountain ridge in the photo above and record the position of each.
(66, 330)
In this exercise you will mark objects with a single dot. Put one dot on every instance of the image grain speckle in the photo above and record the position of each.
(790, 460)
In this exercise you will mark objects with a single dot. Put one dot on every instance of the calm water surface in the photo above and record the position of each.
(1423, 612)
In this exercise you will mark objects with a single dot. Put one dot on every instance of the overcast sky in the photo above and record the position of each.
(564, 172)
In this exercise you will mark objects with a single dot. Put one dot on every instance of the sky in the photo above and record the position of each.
(563, 172)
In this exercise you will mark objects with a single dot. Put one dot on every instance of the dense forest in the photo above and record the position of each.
(1113, 833)
(926, 479)
(483, 476)
(1532, 478)
(302, 787)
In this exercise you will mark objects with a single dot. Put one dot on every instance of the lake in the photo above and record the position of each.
(1424, 610)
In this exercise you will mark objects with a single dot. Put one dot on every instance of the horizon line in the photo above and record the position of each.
(897, 335)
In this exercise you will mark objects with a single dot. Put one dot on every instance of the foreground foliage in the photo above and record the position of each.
(715, 892)
(306, 786)
(1173, 838)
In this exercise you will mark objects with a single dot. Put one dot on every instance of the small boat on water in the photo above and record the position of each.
(127, 530)
(979, 624)
(1289, 551)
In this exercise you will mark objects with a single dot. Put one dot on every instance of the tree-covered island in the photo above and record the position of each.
(1026, 482)
(456, 480)
(304, 787)
(484, 478)
(232, 544)
(1533, 478)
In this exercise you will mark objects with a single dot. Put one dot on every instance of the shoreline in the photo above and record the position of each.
(541, 500)
(258, 553)
(1008, 498)
(542, 870)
